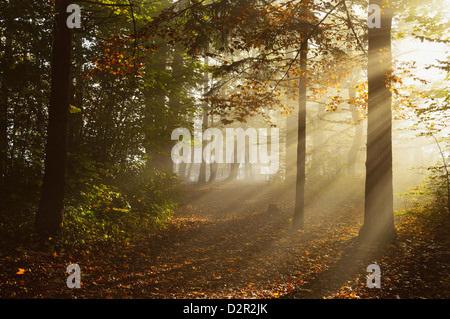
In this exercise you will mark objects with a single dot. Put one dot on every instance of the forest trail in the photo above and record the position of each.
(239, 248)
(223, 242)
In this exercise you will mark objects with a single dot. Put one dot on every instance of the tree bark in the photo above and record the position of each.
(157, 142)
(356, 144)
(234, 167)
(315, 171)
(378, 215)
(291, 141)
(298, 220)
(76, 119)
(202, 175)
(50, 213)
(6, 65)
(234, 172)
(213, 172)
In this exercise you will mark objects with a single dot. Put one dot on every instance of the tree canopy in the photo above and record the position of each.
(347, 100)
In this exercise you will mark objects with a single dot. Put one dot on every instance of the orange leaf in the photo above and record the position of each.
(20, 272)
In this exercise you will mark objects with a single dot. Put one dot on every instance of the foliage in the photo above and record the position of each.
(245, 252)
(115, 117)
(139, 71)
(151, 193)
(438, 184)
(132, 203)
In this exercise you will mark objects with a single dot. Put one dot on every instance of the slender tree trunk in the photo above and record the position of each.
(234, 172)
(189, 169)
(298, 220)
(4, 105)
(315, 171)
(353, 152)
(234, 167)
(76, 119)
(50, 212)
(175, 96)
(291, 147)
(213, 167)
(191, 163)
(290, 161)
(213, 172)
(378, 215)
(202, 174)
(182, 170)
(159, 154)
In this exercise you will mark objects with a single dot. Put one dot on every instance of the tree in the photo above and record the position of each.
(299, 212)
(379, 211)
(50, 212)
(249, 40)
(6, 65)
(204, 113)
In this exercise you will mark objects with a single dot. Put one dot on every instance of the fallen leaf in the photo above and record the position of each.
(20, 272)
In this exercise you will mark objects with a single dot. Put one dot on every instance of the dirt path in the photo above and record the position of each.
(224, 243)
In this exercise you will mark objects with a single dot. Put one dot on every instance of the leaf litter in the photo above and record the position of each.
(215, 248)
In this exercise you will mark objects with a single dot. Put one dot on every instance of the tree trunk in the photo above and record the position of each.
(202, 174)
(213, 172)
(291, 141)
(291, 147)
(234, 167)
(157, 141)
(353, 152)
(4, 104)
(50, 212)
(182, 170)
(213, 167)
(234, 172)
(378, 215)
(76, 119)
(315, 171)
(298, 220)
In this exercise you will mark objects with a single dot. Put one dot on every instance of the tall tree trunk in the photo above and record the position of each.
(378, 214)
(189, 168)
(248, 167)
(157, 135)
(234, 172)
(213, 167)
(76, 119)
(175, 104)
(213, 172)
(202, 174)
(234, 167)
(6, 65)
(182, 170)
(291, 142)
(315, 171)
(353, 152)
(298, 220)
(50, 212)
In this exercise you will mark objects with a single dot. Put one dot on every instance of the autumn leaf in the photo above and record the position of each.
(20, 272)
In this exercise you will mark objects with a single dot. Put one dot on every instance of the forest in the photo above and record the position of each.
(224, 149)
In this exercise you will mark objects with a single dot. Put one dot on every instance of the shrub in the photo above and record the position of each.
(439, 186)
(137, 203)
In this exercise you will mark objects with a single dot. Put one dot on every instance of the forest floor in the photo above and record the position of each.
(223, 242)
